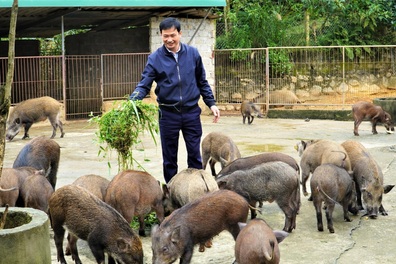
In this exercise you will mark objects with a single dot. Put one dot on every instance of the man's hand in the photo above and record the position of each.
(216, 113)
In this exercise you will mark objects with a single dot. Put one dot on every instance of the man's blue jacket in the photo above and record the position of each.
(179, 83)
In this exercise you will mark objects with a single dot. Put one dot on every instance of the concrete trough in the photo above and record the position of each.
(25, 237)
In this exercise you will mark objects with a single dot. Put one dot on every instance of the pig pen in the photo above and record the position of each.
(363, 240)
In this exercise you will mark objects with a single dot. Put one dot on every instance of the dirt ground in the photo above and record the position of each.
(362, 240)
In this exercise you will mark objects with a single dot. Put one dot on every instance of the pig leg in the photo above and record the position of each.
(27, 127)
(72, 242)
(59, 234)
(212, 163)
(187, 254)
(96, 247)
(244, 119)
(346, 216)
(60, 125)
(289, 216)
(356, 125)
(318, 208)
(374, 125)
(359, 198)
(253, 213)
(54, 125)
(250, 120)
(329, 216)
(304, 176)
(142, 226)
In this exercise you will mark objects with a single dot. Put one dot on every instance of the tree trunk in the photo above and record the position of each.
(5, 91)
(307, 28)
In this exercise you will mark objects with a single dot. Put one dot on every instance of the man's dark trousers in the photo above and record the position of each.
(171, 122)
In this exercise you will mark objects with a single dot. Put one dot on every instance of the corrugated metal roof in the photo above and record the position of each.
(42, 18)
(114, 3)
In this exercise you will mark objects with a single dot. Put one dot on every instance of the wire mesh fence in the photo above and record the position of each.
(305, 76)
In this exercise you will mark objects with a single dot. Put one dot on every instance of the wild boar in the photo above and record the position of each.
(135, 193)
(251, 161)
(187, 186)
(36, 191)
(331, 184)
(43, 154)
(365, 110)
(248, 110)
(218, 147)
(368, 177)
(321, 152)
(258, 243)
(31, 111)
(96, 184)
(86, 216)
(13, 178)
(197, 222)
(270, 181)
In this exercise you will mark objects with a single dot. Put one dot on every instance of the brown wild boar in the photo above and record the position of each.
(135, 193)
(251, 161)
(36, 191)
(368, 177)
(86, 216)
(270, 181)
(365, 110)
(13, 178)
(31, 111)
(331, 184)
(258, 243)
(95, 184)
(321, 152)
(218, 147)
(249, 110)
(197, 222)
(187, 186)
(43, 154)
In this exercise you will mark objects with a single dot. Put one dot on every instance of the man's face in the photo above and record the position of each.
(171, 38)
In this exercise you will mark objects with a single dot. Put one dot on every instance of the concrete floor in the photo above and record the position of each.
(361, 241)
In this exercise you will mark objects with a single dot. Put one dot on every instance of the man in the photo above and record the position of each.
(181, 79)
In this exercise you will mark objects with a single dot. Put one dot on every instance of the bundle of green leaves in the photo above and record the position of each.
(121, 129)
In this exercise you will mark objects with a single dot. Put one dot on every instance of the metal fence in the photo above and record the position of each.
(84, 84)
(308, 77)
(298, 77)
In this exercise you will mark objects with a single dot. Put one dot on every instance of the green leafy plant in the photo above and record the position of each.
(121, 128)
(150, 220)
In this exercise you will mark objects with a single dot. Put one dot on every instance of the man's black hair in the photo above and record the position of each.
(168, 23)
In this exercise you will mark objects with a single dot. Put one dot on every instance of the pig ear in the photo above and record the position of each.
(280, 235)
(122, 244)
(241, 225)
(221, 184)
(175, 236)
(388, 188)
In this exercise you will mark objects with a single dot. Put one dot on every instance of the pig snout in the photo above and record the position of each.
(12, 131)
(372, 212)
